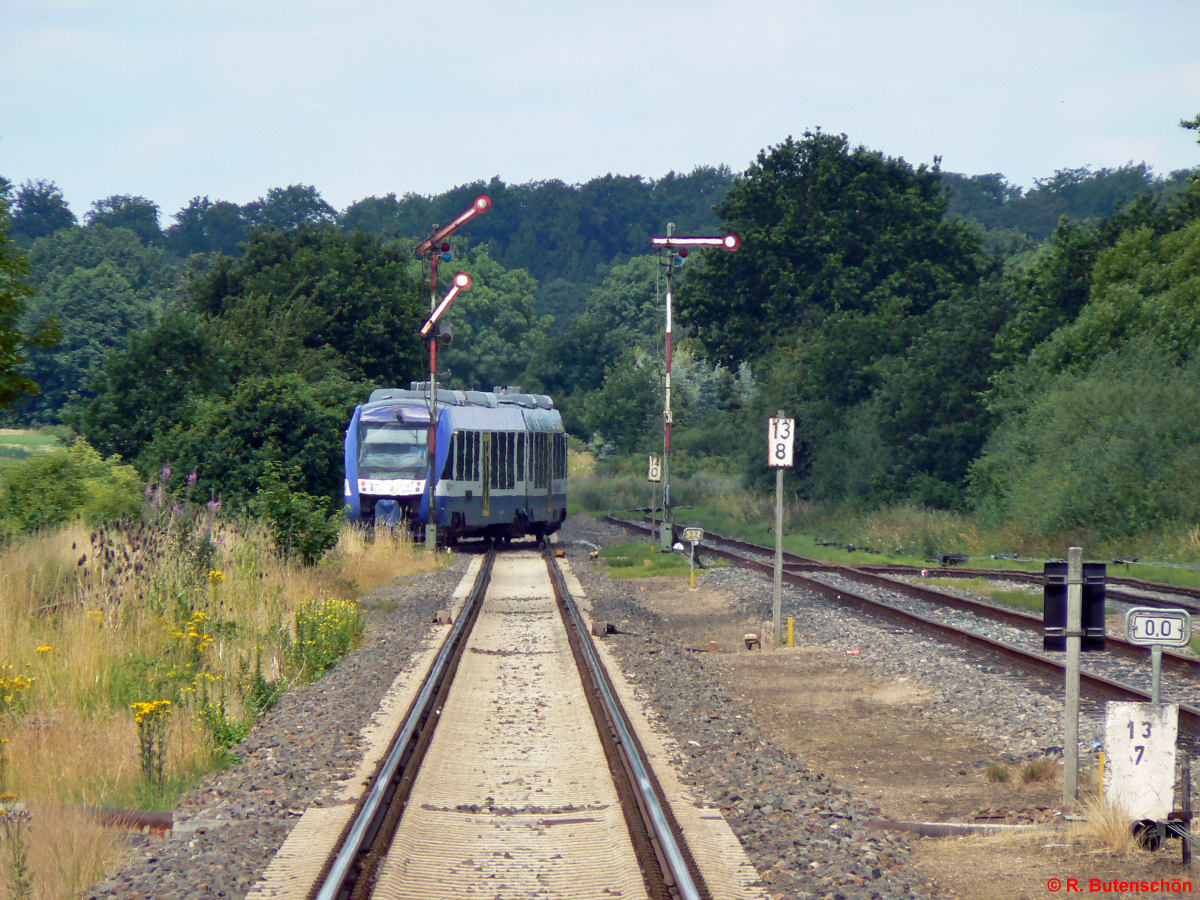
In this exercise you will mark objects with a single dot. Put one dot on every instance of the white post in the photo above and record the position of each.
(666, 537)
(1074, 635)
(777, 594)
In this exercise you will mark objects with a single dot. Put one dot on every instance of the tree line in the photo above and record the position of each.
(926, 328)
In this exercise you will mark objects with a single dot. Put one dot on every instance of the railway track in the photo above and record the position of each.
(515, 771)
(845, 590)
(1119, 588)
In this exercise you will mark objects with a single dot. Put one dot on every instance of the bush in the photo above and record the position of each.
(300, 524)
(1112, 453)
(49, 488)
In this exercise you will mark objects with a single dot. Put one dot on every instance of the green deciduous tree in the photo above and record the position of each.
(497, 330)
(231, 440)
(142, 391)
(40, 210)
(289, 207)
(137, 214)
(312, 292)
(1110, 453)
(826, 230)
(207, 227)
(14, 294)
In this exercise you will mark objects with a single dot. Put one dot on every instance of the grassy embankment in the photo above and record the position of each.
(136, 656)
(900, 534)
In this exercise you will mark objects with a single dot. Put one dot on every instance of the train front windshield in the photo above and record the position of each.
(392, 451)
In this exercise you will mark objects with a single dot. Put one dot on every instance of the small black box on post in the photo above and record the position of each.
(1054, 615)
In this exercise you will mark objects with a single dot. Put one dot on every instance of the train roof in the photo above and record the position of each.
(497, 396)
(506, 409)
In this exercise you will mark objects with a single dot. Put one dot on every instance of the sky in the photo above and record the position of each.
(360, 98)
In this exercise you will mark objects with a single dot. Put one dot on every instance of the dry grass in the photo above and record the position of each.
(182, 610)
(366, 564)
(1106, 827)
(996, 773)
(1037, 771)
(68, 852)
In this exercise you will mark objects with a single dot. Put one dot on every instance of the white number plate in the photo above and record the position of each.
(1145, 626)
(1139, 739)
(391, 487)
(781, 435)
(655, 473)
(693, 535)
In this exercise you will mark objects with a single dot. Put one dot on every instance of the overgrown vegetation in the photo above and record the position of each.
(638, 559)
(137, 654)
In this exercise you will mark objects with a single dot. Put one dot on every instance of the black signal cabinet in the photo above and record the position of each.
(1054, 592)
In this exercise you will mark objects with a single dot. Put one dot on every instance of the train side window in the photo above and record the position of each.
(520, 456)
(501, 460)
(493, 467)
(459, 441)
(541, 470)
(511, 469)
(475, 469)
(448, 468)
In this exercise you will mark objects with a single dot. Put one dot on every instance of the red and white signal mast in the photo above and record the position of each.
(436, 244)
(677, 248)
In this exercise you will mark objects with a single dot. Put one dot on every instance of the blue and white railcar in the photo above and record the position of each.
(501, 459)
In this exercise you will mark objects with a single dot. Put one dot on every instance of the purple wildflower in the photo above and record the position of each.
(166, 472)
(192, 478)
(214, 506)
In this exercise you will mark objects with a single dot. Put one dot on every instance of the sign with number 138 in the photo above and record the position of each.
(781, 436)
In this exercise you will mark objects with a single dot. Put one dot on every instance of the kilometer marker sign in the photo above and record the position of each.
(1146, 626)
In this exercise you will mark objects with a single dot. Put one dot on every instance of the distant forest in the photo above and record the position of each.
(944, 339)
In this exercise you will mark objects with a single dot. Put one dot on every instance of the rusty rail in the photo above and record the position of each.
(1096, 686)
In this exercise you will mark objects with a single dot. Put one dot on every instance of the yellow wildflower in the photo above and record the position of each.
(150, 710)
(45, 648)
(215, 576)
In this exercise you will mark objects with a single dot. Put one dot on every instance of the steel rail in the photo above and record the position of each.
(1096, 686)
(675, 864)
(1185, 597)
(344, 876)
(1187, 665)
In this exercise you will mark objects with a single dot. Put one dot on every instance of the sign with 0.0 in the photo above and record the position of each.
(655, 473)
(781, 436)
(1147, 626)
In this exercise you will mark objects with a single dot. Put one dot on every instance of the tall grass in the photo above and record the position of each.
(904, 532)
(179, 606)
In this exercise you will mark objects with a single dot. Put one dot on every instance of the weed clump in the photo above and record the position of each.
(1038, 770)
(996, 773)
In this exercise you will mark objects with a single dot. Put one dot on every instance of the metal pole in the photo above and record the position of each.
(1186, 805)
(1156, 669)
(653, 505)
(665, 536)
(692, 565)
(1071, 720)
(431, 525)
(777, 593)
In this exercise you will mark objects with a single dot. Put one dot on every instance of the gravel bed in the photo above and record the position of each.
(980, 695)
(230, 826)
(806, 836)
(1132, 672)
